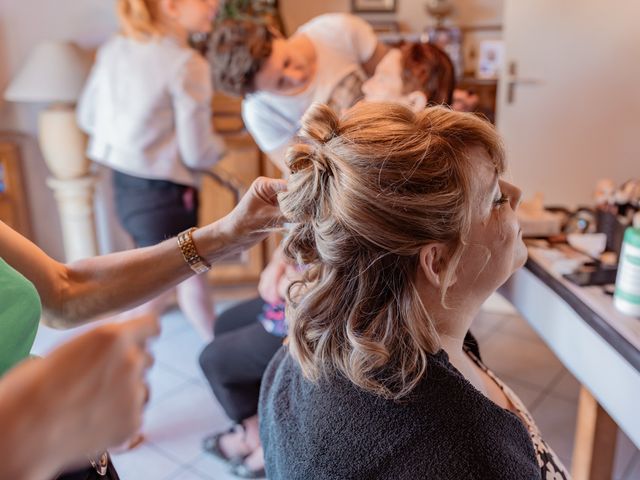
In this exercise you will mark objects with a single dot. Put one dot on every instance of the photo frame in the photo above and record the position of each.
(373, 6)
(384, 27)
(490, 59)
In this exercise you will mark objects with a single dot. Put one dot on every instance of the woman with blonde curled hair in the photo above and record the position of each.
(405, 228)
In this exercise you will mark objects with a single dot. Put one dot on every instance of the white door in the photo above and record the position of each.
(569, 96)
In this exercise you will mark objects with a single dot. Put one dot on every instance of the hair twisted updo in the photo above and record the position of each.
(366, 192)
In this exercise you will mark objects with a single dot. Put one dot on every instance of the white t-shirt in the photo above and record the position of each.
(343, 43)
(147, 109)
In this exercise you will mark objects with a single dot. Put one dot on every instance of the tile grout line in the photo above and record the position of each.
(170, 456)
(172, 475)
(554, 382)
(170, 392)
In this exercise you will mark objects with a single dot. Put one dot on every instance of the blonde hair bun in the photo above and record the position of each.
(319, 124)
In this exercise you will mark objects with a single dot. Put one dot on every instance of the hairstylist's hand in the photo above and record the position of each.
(253, 218)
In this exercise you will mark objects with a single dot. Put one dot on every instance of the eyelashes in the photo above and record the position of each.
(502, 200)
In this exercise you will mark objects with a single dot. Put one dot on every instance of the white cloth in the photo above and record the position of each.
(147, 109)
(343, 43)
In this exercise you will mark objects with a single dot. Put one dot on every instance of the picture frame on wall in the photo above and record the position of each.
(373, 6)
(382, 27)
(490, 59)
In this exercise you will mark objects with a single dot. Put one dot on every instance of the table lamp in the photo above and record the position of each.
(54, 74)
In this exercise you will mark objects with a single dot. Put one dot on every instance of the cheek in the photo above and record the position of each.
(509, 239)
(266, 79)
(507, 227)
(206, 24)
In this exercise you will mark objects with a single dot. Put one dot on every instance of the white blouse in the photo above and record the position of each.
(147, 109)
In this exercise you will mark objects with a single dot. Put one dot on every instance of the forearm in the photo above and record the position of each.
(100, 285)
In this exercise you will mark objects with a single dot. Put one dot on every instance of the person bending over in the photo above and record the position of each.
(325, 60)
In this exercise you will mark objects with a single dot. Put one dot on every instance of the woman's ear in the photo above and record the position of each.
(417, 101)
(169, 7)
(433, 260)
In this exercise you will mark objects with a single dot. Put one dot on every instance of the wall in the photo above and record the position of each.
(411, 17)
(410, 13)
(23, 24)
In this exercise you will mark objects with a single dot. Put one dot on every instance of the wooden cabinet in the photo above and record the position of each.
(486, 91)
(243, 163)
(13, 202)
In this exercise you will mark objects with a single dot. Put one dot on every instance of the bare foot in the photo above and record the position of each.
(233, 444)
(255, 461)
(252, 432)
(135, 441)
(130, 444)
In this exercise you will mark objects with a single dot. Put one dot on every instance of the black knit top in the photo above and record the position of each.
(446, 429)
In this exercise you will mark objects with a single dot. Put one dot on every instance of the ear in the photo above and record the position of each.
(169, 7)
(433, 260)
(417, 101)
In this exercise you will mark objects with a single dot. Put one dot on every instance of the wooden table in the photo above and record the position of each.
(598, 345)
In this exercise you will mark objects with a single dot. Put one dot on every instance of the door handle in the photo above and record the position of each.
(513, 81)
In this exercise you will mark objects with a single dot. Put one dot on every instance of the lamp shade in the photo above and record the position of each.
(53, 72)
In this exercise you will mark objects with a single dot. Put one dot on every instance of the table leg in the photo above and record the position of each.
(595, 440)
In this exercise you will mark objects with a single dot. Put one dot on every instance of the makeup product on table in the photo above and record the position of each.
(627, 293)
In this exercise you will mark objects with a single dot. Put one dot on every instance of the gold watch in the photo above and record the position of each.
(189, 252)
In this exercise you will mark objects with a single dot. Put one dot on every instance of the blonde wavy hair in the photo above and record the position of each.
(138, 18)
(366, 192)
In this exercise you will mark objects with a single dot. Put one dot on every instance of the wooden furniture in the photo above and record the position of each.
(243, 163)
(598, 345)
(486, 91)
(13, 202)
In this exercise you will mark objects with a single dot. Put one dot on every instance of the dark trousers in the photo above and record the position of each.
(153, 210)
(235, 360)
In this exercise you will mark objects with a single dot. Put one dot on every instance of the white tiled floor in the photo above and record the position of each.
(182, 409)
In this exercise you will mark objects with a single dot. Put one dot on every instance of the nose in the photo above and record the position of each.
(295, 75)
(515, 196)
(366, 86)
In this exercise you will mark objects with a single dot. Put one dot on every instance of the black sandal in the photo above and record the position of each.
(211, 444)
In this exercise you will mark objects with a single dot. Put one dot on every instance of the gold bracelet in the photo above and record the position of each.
(189, 252)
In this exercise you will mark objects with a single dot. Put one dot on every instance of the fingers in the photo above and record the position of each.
(148, 360)
(267, 189)
(144, 394)
(142, 328)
